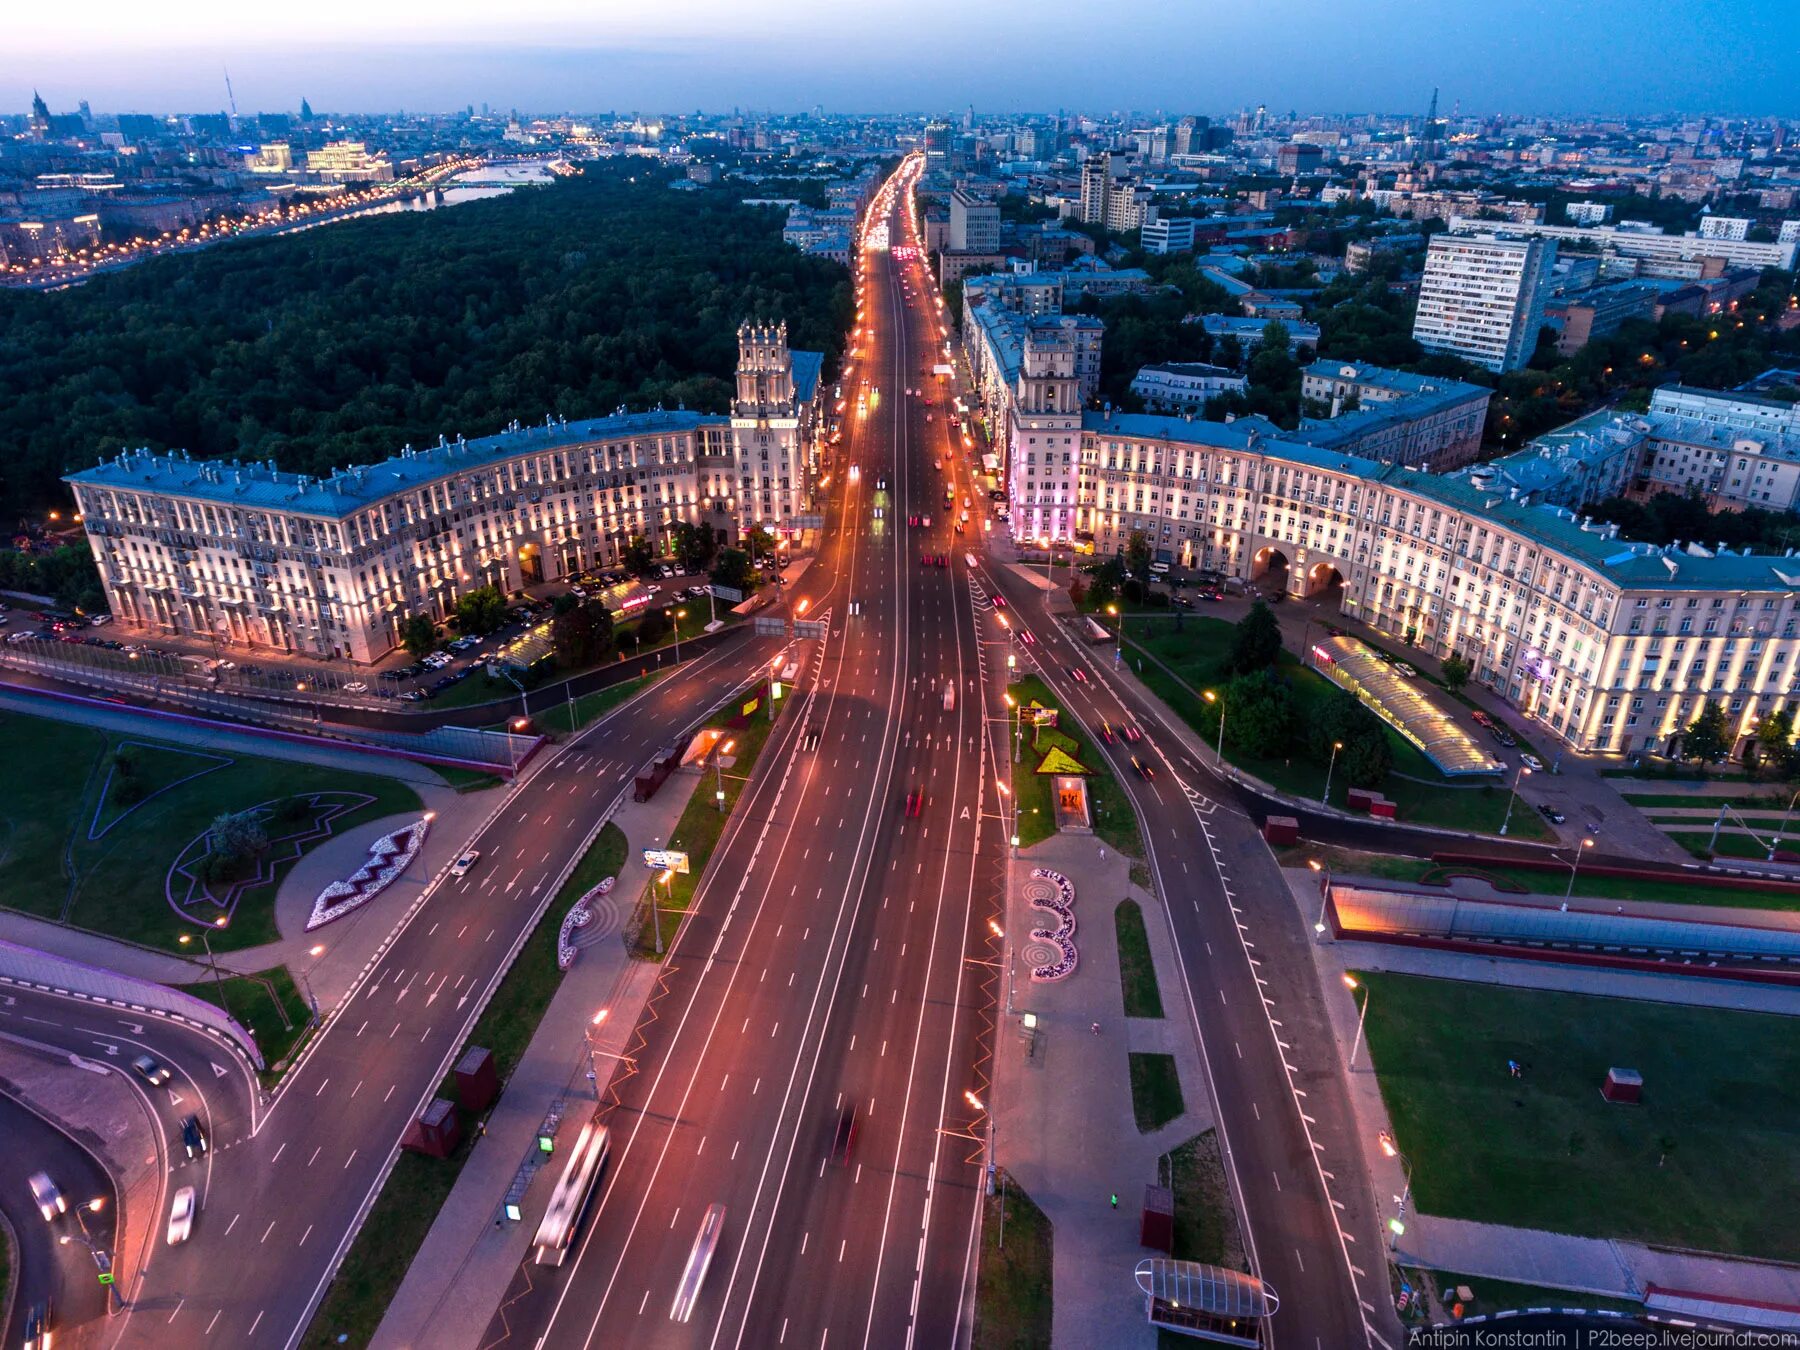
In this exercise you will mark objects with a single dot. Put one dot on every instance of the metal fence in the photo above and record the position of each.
(33, 969)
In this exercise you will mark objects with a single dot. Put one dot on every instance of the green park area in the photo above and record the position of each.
(270, 1006)
(418, 1186)
(1282, 719)
(1064, 744)
(94, 824)
(1546, 1150)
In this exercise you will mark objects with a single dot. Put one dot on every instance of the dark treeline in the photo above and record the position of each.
(340, 344)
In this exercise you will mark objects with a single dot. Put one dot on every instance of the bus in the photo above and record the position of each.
(569, 1201)
(687, 1293)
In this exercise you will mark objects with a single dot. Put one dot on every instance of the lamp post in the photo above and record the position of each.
(680, 614)
(1119, 651)
(1213, 698)
(1575, 867)
(1018, 725)
(1512, 797)
(1397, 1224)
(1781, 829)
(719, 773)
(1324, 892)
(1325, 796)
(206, 946)
(1044, 543)
(1351, 983)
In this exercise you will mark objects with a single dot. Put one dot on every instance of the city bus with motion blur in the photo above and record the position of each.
(569, 1201)
(687, 1293)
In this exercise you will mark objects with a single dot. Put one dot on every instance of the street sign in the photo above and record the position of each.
(809, 628)
(769, 627)
(728, 593)
(666, 860)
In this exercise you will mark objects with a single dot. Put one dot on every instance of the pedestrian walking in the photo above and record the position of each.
(1096, 1028)
(1115, 1200)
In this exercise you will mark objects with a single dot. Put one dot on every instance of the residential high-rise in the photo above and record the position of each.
(974, 223)
(1096, 181)
(1482, 297)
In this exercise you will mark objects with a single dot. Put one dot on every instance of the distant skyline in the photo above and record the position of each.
(1553, 57)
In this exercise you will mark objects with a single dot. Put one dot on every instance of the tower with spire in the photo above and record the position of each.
(40, 116)
(774, 422)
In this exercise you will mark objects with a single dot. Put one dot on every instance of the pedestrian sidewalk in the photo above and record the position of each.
(468, 1259)
(1063, 1121)
(1598, 1266)
(98, 950)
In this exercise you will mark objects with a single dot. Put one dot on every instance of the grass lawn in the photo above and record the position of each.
(270, 1005)
(1693, 1166)
(1137, 973)
(1155, 1091)
(118, 878)
(556, 718)
(1013, 1284)
(1495, 1296)
(418, 1186)
(698, 831)
(1115, 823)
(1197, 654)
(1649, 800)
(465, 780)
(1205, 1225)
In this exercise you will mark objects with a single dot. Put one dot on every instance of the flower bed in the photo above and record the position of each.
(1055, 893)
(579, 916)
(389, 856)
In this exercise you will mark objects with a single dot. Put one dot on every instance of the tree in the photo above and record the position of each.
(1366, 758)
(1456, 672)
(1137, 555)
(582, 634)
(236, 836)
(1077, 592)
(418, 634)
(640, 557)
(481, 610)
(694, 545)
(1108, 576)
(654, 627)
(1775, 738)
(1259, 713)
(1256, 643)
(733, 570)
(1707, 737)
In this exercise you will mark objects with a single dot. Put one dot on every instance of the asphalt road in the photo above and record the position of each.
(291, 1178)
(826, 963)
(48, 1269)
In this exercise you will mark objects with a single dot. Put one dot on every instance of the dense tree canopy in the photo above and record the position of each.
(342, 343)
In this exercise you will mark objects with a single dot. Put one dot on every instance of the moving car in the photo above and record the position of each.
(1079, 674)
(843, 1139)
(460, 868)
(1132, 734)
(193, 1137)
(1143, 767)
(50, 1201)
(37, 1326)
(915, 802)
(181, 1216)
(1106, 732)
(1532, 762)
(152, 1071)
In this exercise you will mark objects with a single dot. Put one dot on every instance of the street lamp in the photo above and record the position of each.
(1018, 726)
(1325, 796)
(1397, 1224)
(1350, 983)
(1575, 867)
(206, 946)
(719, 773)
(1119, 651)
(1512, 797)
(1324, 892)
(1213, 698)
(680, 614)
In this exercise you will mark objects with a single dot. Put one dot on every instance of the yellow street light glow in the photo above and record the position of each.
(1350, 982)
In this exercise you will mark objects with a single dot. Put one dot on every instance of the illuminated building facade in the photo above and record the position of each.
(330, 567)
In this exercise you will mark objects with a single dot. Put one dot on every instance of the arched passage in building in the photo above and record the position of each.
(1324, 583)
(531, 565)
(1269, 568)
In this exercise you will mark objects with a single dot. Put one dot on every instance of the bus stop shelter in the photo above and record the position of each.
(1209, 1303)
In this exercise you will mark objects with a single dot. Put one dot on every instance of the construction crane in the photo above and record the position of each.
(230, 97)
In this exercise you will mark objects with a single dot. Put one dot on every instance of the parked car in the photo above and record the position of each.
(1532, 762)
(1552, 815)
(356, 687)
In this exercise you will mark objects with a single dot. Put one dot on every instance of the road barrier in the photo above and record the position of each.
(29, 968)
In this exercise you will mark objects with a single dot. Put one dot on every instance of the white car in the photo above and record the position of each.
(460, 868)
(181, 1216)
(356, 687)
(1532, 762)
(50, 1201)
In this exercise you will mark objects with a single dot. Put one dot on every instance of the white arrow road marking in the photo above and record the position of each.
(109, 1047)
